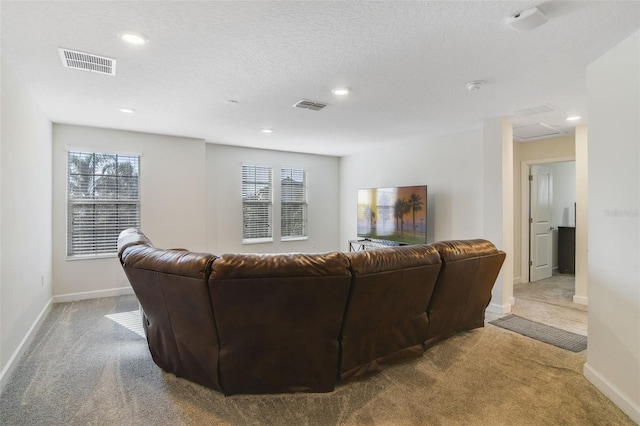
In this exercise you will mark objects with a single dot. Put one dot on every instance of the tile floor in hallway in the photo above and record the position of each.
(550, 301)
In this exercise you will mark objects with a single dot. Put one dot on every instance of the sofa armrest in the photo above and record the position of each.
(131, 237)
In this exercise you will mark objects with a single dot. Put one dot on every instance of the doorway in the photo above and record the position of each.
(548, 204)
(546, 291)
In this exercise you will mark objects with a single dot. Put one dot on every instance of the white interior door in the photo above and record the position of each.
(540, 237)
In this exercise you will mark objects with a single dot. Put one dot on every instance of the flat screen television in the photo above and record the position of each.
(395, 215)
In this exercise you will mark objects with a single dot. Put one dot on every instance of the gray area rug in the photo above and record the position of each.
(542, 332)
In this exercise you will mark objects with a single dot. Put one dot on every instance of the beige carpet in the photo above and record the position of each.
(86, 369)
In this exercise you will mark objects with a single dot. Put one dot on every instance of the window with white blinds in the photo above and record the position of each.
(257, 204)
(103, 199)
(293, 203)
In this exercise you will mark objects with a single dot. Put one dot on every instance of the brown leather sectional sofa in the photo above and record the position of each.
(274, 323)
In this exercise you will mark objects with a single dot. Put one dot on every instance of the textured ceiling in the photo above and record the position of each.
(406, 63)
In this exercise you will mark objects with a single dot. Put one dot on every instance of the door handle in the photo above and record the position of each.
(551, 228)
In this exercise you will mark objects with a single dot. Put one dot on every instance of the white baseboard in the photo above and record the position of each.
(24, 344)
(110, 292)
(494, 308)
(517, 280)
(580, 300)
(612, 392)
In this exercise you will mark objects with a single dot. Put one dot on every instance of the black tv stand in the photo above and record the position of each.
(368, 244)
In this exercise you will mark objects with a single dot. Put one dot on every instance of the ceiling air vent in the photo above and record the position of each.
(313, 105)
(535, 131)
(534, 110)
(87, 62)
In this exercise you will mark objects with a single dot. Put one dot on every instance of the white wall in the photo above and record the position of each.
(224, 200)
(25, 219)
(613, 99)
(450, 166)
(497, 189)
(564, 193)
(172, 190)
(582, 220)
(465, 200)
(564, 197)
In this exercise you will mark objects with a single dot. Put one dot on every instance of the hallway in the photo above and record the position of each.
(550, 301)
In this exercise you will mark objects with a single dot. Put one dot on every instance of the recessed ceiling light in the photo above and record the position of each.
(267, 130)
(127, 110)
(574, 118)
(133, 37)
(341, 91)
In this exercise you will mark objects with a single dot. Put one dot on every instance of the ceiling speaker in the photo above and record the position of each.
(527, 20)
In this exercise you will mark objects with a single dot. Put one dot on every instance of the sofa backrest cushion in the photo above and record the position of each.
(171, 286)
(278, 317)
(453, 250)
(463, 290)
(176, 262)
(386, 317)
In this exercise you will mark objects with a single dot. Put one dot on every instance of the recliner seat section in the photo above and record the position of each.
(171, 286)
(463, 289)
(386, 318)
(249, 323)
(278, 319)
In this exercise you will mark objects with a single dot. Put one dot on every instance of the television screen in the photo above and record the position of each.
(396, 214)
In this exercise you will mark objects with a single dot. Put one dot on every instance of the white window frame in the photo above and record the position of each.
(256, 188)
(294, 173)
(104, 245)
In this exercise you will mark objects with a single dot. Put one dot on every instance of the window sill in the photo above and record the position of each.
(294, 239)
(257, 240)
(92, 256)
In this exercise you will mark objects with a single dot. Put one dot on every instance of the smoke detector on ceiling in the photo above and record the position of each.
(87, 61)
(475, 85)
(527, 20)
